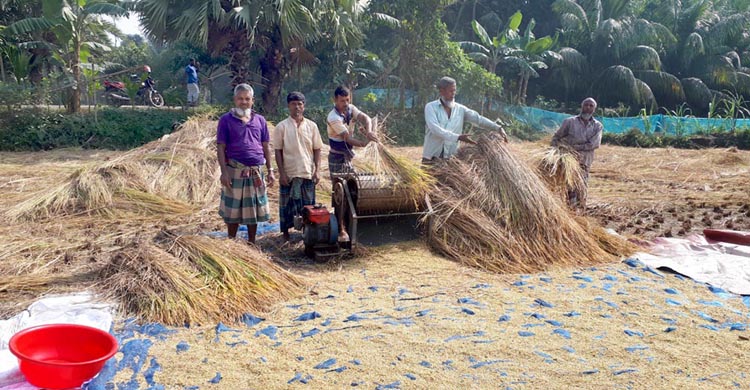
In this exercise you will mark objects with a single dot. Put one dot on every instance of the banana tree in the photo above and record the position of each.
(78, 30)
(523, 55)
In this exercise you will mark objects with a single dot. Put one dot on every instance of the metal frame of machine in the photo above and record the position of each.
(367, 196)
(354, 217)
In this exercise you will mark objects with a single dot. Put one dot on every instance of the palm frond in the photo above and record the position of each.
(727, 31)
(643, 58)
(105, 9)
(646, 97)
(697, 93)
(618, 84)
(573, 59)
(666, 87)
(386, 19)
(572, 13)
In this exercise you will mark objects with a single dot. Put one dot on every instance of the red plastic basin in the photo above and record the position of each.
(60, 356)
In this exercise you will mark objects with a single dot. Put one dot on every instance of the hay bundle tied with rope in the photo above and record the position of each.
(492, 211)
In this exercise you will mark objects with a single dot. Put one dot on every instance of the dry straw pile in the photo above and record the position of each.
(196, 280)
(172, 176)
(110, 219)
(494, 212)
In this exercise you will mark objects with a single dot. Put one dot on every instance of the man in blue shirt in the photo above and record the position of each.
(192, 82)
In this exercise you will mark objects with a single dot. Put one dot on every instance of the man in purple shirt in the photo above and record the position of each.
(242, 150)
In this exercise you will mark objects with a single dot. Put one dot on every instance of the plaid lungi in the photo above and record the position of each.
(246, 203)
(339, 163)
(292, 199)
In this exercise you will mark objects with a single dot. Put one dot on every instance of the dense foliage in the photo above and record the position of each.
(108, 128)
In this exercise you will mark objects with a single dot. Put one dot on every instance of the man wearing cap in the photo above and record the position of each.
(242, 150)
(583, 134)
(297, 143)
(444, 122)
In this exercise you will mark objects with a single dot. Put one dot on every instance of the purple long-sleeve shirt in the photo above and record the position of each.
(244, 141)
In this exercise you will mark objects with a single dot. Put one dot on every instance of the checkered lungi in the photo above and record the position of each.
(292, 199)
(339, 163)
(247, 202)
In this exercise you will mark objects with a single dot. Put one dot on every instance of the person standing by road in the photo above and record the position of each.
(191, 70)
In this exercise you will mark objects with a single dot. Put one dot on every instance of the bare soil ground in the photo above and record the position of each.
(401, 314)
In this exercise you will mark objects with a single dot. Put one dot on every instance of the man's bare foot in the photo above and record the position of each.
(343, 236)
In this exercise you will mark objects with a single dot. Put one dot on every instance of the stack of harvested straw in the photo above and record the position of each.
(561, 171)
(493, 212)
(173, 175)
(196, 280)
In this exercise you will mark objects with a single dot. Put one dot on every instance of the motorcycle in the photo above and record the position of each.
(116, 95)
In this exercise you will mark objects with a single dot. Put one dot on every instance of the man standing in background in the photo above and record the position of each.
(192, 83)
(297, 143)
(583, 134)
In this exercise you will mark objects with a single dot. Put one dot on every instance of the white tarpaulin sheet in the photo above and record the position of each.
(79, 309)
(719, 264)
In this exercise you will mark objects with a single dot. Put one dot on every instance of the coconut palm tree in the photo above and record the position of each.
(73, 30)
(279, 30)
(617, 55)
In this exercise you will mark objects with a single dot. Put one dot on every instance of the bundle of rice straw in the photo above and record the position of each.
(156, 287)
(196, 280)
(242, 277)
(561, 171)
(493, 212)
(173, 175)
(378, 158)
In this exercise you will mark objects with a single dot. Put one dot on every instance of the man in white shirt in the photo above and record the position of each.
(342, 142)
(297, 143)
(444, 122)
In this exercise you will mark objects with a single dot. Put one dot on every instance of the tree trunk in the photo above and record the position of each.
(525, 84)
(2, 68)
(272, 67)
(520, 89)
(74, 104)
(238, 49)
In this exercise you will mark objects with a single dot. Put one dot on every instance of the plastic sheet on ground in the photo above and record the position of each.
(722, 265)
(80, 309)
